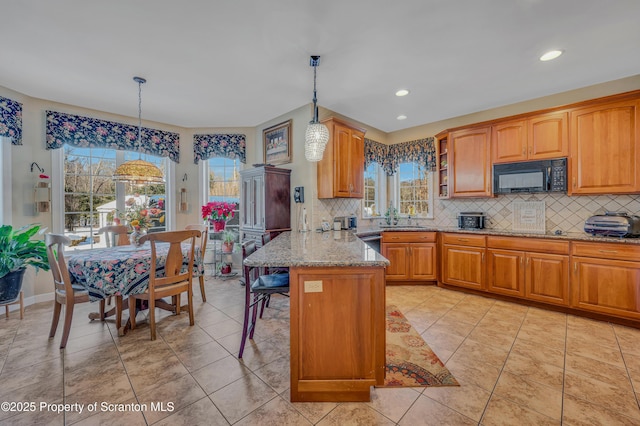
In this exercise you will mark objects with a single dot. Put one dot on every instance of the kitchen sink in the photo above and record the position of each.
(401, 226)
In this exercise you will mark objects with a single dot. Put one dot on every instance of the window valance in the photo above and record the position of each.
(389, 156)
(11, 120)
(89, 132)
(230, 146)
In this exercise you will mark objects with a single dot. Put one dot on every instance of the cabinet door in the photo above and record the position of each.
(548, 136)
(547, 278)
(342, 161)
(606, 286)
(470, 163)
(397, 253)
(463, 266)
(604, 149)
(357, 164)
(509, 141)
(258, 201)
(246, 206)
(505, 272)
(423, 261)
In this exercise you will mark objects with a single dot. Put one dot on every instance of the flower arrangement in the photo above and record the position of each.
(218, 211)
(141, 216)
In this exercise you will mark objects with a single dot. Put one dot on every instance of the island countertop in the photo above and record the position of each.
(332, 248)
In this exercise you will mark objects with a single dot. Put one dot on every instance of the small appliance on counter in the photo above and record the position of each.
(347, 222)
(613, 224)
(471, 220)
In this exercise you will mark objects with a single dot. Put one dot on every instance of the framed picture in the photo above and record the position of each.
(277, 143)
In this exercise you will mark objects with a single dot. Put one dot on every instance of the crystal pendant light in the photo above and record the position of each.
(138, 172)
(317, 134)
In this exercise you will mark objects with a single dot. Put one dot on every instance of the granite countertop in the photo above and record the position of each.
(332, 248)
(575, 236)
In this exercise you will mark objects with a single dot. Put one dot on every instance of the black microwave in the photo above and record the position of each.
(530, 176)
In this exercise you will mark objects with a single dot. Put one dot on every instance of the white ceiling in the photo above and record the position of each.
(226, 63)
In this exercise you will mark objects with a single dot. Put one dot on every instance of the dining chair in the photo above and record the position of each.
(176, 279)
(65, 293)
(115, 235)
(204, 236)
(258, 289)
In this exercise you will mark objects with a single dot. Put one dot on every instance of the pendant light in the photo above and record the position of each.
(138, 172)
(317, 134)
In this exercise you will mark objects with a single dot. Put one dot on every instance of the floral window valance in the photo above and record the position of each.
(89, 132)
(419, 151)
(230, 146)
(389, 156)
(11, 120)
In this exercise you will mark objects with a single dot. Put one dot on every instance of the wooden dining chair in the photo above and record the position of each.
(115, 235)
(174, 282)
(204, 236)
(65, 293)
(258, 289)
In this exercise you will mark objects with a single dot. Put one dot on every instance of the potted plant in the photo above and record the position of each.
(224, 268)
(17, 251)
(218, 213)
(228, 238)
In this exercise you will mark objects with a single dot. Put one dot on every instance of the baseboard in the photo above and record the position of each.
(47, 297)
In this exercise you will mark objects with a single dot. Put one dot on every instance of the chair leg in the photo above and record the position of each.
(118, 312)
(265, 301)
(102, 310)
(152, 317)
(204, 296)
(57, 307)
(254, 316)
(245, 325)
(192, 320)
(132, 312)
(68, 316)
(177, 304)
(21, 306)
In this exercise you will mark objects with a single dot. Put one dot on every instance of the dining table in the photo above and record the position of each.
(121, 270)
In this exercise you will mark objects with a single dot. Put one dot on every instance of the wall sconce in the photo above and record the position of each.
(41, 191)
(183, 205)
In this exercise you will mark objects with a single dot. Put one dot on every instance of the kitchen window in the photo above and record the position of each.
(375, 189)
(413, 190)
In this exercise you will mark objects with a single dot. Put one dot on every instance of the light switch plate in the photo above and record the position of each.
(313, 286)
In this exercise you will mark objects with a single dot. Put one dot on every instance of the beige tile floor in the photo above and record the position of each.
(516, 366)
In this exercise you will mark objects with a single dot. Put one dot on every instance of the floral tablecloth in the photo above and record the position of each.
(120, 270)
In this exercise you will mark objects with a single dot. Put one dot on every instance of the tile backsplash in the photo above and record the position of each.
(562, 212)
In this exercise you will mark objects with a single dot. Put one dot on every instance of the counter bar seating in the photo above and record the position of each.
(258, 289)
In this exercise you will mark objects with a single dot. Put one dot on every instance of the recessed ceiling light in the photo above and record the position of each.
(552, 54)
(401, 117)
(402, 92)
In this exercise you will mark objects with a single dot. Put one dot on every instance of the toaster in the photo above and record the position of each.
(613, 224)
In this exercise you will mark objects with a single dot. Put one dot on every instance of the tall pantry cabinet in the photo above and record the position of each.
(265, 202)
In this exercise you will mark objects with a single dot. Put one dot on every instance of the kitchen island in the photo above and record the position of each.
(337, 306)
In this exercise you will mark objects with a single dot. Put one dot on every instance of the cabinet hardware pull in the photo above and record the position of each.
(575, 267)
(574, 182)
(483, 256)
(608, 251)
(521, 260)
(395, 238)
(464, 240)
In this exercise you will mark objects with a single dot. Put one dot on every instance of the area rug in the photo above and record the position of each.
(410, 361)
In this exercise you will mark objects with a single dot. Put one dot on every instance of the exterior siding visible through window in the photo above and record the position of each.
(93, 200)
(414, 190)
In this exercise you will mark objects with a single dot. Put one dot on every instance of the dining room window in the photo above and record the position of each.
(413, 195)
(92, 199)
(223, 183)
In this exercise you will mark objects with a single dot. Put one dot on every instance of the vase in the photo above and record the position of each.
(227, 247)
(218, 225)
(135, 236)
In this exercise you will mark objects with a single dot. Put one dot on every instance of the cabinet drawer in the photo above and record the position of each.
(529, 244)
(608, 251)
(408, 237)
(464, 239)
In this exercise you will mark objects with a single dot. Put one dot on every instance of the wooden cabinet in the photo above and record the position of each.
(442, 152)
(341, 170)
(535, 269)
(605, 149)
(463, 260)
(412, 255)
(538, 137)
(470, 162)
(265, 202)
(606, 279)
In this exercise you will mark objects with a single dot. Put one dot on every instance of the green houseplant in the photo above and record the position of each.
(228, 238)
(17, 251)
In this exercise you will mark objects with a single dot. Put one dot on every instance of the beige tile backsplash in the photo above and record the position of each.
(562, 212)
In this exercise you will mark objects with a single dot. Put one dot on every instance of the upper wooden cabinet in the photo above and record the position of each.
(470, 162)
(605, 157)
(341, 170)
(538, 137)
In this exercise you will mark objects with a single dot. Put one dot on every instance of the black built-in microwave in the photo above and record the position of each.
(530, 176)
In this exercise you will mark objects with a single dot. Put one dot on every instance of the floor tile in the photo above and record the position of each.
(469, 400)
(532, 395)
(427, 412)
(218, 374)
(581, 412)
(393, 403)
(275, 412)
(241, 397)
(352, 413)
(502, 412)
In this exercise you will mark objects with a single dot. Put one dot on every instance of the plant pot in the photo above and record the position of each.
(227, 247)
(225, 269)
(10, 286)
(218, 225)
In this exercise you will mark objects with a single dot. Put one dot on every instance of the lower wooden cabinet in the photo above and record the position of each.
(606, 279)
(412, 255)
(463, 260)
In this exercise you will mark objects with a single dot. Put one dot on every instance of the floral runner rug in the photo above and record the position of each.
(410, 361)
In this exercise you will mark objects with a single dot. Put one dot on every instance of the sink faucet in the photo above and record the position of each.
(409, 220)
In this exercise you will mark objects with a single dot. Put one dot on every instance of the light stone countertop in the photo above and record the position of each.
(331, 248)
(577, 236)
